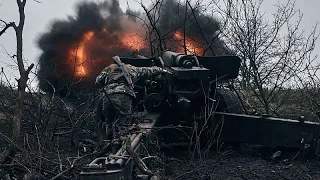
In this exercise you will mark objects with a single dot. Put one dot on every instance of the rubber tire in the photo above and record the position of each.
(227, 101)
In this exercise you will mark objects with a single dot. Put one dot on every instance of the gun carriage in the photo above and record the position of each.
(180, 99)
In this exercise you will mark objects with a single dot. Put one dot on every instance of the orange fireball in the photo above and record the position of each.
(192, 46)
(78, 56)
(91, 53)
(94, 42)
(132, 41)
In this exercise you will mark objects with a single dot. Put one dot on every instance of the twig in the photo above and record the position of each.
(72, 165)
(39, 147)
(28, 167)
(153, 26)
(142, 166)
(2, 166)
(21, 149)
(7, 25)
(60, 174)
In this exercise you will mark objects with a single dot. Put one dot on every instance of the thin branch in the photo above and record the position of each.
(153, 26)
(7, 25)
(72, 165)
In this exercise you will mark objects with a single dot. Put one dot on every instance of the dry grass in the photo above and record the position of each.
(287, 103)
(43, 155)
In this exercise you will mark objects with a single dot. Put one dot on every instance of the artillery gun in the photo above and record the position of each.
(191, 97)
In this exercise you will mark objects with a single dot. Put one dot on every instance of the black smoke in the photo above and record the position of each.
(54, 73)
(54, 70)
(189, 19)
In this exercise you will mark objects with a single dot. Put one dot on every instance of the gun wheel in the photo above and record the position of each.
(227, 101)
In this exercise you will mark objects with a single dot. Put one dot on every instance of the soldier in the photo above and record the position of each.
(116, 82)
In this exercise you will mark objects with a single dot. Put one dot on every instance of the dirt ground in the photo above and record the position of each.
(244, 163)
(237, 166)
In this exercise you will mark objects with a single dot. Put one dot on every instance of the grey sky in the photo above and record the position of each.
(39, 17)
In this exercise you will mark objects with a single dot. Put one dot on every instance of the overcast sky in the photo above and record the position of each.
(39, 17)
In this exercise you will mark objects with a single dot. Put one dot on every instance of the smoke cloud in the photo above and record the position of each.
(191, 22)
(107, 22)
(107, 31)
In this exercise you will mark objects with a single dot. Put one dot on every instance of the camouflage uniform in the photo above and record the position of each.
(117, 94)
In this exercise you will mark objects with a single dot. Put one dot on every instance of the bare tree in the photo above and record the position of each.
(181, 26)
(22, 81)
(274, 52)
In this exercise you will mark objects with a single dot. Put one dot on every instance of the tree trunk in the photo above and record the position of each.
(22, 84)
